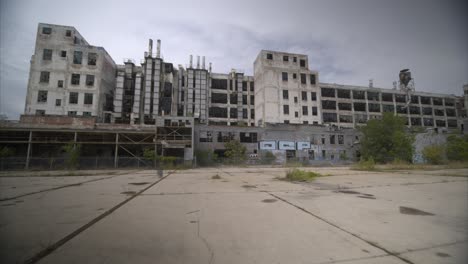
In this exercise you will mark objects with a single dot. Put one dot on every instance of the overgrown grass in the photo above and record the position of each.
(300, 175)
(404, 165)
(216, 177)
(366, 165)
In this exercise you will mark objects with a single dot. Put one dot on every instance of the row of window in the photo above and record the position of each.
(305, 111)
(73, 98)
(313, 96)
(77, 56)
(220, 98)
(222, 112)
(75, 79)
(222, 84)
(302, 63)
(48, 31)
(244, 137)
(285, 77)
(70, 113)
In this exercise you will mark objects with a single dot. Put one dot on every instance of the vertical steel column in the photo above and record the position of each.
(28, 153)
(116, 154)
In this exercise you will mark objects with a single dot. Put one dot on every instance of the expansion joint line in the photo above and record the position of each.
(45, 252)
(344, 230)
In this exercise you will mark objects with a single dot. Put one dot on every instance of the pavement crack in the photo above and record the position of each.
(203, 239)
(344, 230)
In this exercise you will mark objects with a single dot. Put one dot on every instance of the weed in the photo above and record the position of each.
(300, 175)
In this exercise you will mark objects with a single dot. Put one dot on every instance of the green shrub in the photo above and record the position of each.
(457, 148)
(235, 151)
(363, 164)
(206, 158)
(434, 154)
(73, 152)
(300, 175)
(268, 158)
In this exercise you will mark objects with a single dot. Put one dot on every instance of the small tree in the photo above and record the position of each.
(235, 151)
(268, 158)
(73, 152)
(386, 139)
(457, 148)
(205, 157)
(434, 154)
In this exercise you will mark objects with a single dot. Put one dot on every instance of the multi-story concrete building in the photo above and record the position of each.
(68, 76)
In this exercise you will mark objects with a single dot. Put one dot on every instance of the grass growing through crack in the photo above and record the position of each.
(300, 175)
(216, 177)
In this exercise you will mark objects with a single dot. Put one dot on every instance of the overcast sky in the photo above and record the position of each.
(348, 42)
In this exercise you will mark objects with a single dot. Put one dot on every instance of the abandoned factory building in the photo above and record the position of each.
(282, 108)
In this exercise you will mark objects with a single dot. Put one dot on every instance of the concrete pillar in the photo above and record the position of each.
(28, 153)
(150, 47)
(158, 48)
(116, 154)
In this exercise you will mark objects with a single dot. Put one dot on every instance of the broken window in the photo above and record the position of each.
(86, 114)
(313, 96)
(206, 136)
(314, 110)
(428, 122)
(219, 84)
(327, 104)
(415, 99)
(218, 112)
(73, 99)
(361, 107)
(329, 117)
(440, 123)
(427, 111)
(449, 102)
(296, 114)
(344, 93)
(92, 58)
(323, 140)
(44, 78)
(400, 98)
(244, 99)
(244, 86)
(220, 98)
(415, 121)
(295, 99)
(450, 112)
(269, 56)
(302, 63)
(387, 97)
(303, 78)
(47, 54)
(439, 112)
(88, 98)
(304, 96)
(344, 106)
(252, 113)
(248, 137)
(346, 119)
(425, 100)
(294, 76)
(286, 109)
(46, 30)
(245, 113)
(284, 76)
(313, 80)
(233, 112)
(42, 96)
(58, 102)
(232, 98)
(225, 136)
(252, 100)
(63, 53)
(89, 80)
(415, 110)
(437, 101)
(360, 118)
(361, 95)
(452, 123)
(285, 94)
(328, 92)
(68, 33)
(305, 122)
(388, 108)
(305, 110)
(252, 86)
(373, 96)
(40, 112)
(332, 139)
(77, 57)
(286, 121)
(401, 109)
(285, 58)
(374, 108)
(294, 59)
(75, 79)
(71, 113)
(340, 139)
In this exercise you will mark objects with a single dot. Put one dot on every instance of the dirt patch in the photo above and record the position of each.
(366, 197)
(139, 183)
(249, 186)
(348, 192)
(412, 211)
(193, 222)
(442, 254)
(216, 177)
(269, 200)
(129, 193)
(225, 181)
(364, 250)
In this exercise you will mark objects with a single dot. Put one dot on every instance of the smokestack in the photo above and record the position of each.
(191, 61)
(198, 62)
(203, 62)
(371, 83)
(150, 47)
(210, 67)
(158, 48)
